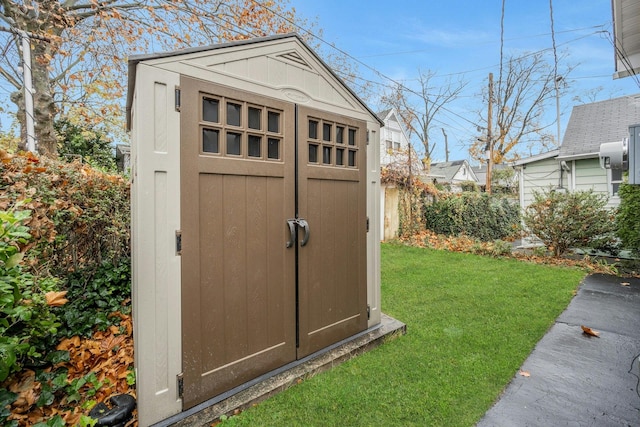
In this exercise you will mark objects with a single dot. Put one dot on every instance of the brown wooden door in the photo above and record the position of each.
(252, 301)
(332, 287)
(238, 278)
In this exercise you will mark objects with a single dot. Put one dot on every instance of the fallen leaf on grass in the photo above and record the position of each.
(589, 331)
(524, 374)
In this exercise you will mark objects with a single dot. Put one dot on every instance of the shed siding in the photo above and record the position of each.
(283, 79)
(374, 235)
(156, 268)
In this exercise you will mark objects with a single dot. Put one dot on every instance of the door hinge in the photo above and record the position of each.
(368, 312)
(180, 381)
(367, 224)
(178, 242)
(177, 98)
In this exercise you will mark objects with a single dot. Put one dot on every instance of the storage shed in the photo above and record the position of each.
(255, 212)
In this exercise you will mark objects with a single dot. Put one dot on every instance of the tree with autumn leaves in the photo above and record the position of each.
(80, 47)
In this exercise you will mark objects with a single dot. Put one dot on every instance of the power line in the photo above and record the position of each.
(407, 52)
(377, 72)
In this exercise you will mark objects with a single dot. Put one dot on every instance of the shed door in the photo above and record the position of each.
(255, 296)
(331, 197)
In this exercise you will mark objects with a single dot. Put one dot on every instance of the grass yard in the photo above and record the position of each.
(471, 322)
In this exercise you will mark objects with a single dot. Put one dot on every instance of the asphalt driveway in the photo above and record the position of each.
(573, 379)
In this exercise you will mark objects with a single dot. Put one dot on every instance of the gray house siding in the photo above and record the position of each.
(590, 176)
(538, 176)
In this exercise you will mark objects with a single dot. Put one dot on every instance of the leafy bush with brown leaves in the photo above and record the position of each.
(80, 216)
(75, 235)
(563, 220)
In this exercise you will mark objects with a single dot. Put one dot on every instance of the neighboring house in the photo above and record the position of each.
(575, 165)
(394, 142)
(394, 152)
(538, 173)
(506, 183)
(451, 173)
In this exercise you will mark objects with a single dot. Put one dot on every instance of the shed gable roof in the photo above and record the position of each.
(271, 60)
(593, 124)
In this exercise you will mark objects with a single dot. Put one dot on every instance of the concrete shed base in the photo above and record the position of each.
(281, 379)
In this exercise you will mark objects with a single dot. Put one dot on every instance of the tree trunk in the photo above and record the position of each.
(44, 107)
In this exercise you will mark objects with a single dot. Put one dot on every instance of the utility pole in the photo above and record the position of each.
(489, 146)
(446, 146)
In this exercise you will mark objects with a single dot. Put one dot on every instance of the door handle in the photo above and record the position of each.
(292, 232)
(304, 224)
(293, 224)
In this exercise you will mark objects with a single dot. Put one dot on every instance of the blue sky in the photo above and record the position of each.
(462, 38)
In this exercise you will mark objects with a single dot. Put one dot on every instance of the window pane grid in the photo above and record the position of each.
(241, 130)
(328, 142)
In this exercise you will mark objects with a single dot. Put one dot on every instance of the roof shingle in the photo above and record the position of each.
(593, 124)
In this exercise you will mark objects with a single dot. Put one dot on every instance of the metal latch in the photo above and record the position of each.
(178, 242)
(180, 380)
(177, 98)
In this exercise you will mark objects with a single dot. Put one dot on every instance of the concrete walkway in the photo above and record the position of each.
(578, 380)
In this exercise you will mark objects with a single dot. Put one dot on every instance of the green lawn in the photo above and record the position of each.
(471, 322)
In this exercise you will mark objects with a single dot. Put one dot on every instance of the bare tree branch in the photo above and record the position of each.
(420, 108)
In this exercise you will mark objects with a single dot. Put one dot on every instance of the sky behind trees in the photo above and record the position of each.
(391, 41)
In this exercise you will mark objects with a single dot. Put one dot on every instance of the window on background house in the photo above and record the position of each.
(396, 146)
(389, 145)
(615, 179)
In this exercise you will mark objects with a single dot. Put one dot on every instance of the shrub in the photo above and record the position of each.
(479, 215)
(93, 297)
(80, 216)
(27, 325)
(91, 145)
(627, 218)
(471, 186)
(562, 220)
(78, 230)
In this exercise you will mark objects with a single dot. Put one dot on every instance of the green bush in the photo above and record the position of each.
(91, 145)
(471, 186)
(563, 220)
(27, 324)
(478, 215)
(628, 217)
(93, 296)
(77, 236)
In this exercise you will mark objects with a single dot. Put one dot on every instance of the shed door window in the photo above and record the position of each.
(326, 144)
(232, 128)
